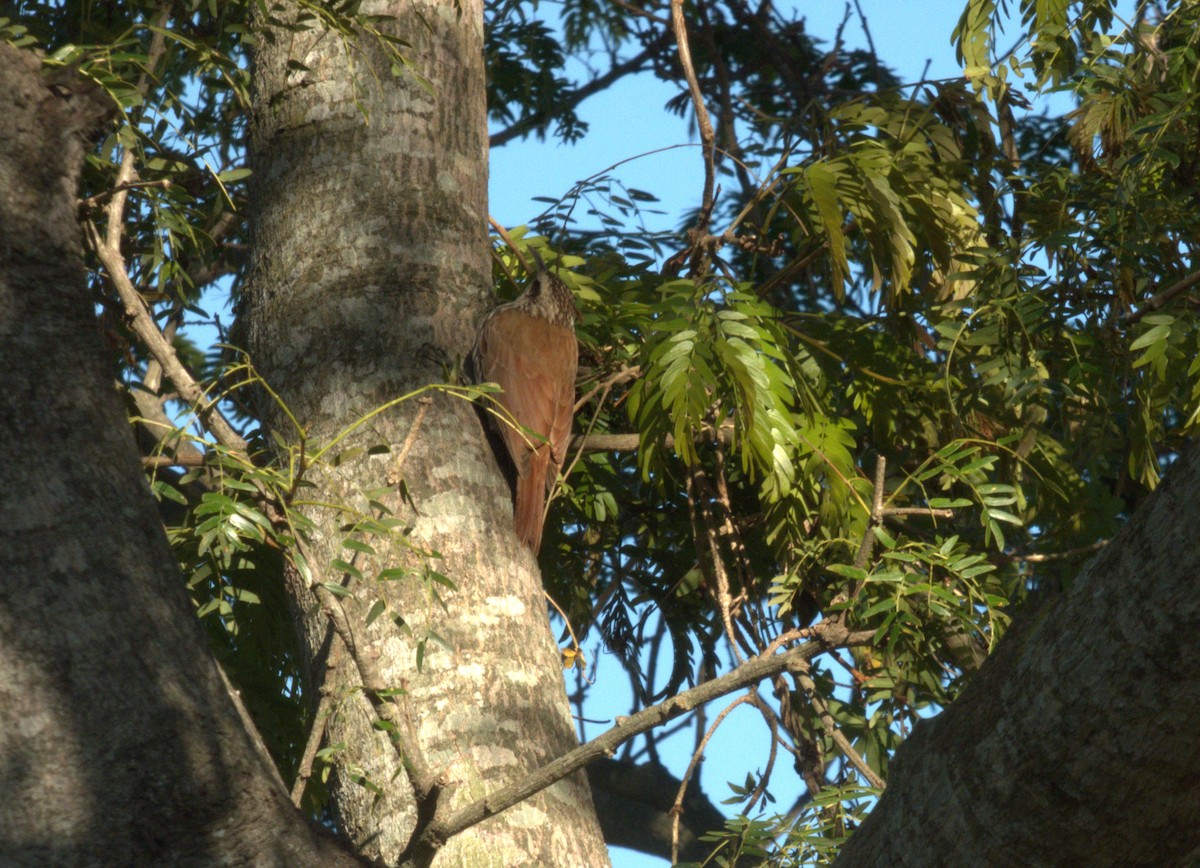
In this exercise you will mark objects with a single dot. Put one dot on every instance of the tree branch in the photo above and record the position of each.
(697, 755)
(1161, 299)
(126, 174)
(630, 442)
(832, 730)
(703, 122)
(751, 672)
(147, 330)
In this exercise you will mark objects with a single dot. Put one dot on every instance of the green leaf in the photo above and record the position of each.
(1156, 333)
(848, 571)
(822, 188)
(165, 491)
(345, 567)
(302, 567)
(1000, 515)
(377, 609)
(358, 546)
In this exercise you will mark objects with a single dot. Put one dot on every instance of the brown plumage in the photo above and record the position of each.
(528, 348)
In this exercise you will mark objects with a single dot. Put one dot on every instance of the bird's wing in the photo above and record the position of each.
(534, 362)
(566, 362)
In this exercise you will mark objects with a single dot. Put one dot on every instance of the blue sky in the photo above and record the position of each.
(629, 119)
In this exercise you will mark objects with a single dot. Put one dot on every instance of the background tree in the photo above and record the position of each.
(120, 744)
(923, 355)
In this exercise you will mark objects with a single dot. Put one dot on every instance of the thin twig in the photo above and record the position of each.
(387, 706)
(507, 239)
(775, 741)
(173, 449)
(703, 123)
(935, 512)
(584, 184)
(876, 518)
(832, 730)
(395, 474)
(642, 13)
(179, 459)
(631, 372)
(93, 201)
(790, 636)
(316, 733)
(1041, 558)
(764, 190)
(529, 123)
(870, 42)
(1161, 299)
(698, 495)
(115, 211)
(631, 442)
(730, 532)
(697, 755)
(571, 631)
(578, 449)
(152, 379)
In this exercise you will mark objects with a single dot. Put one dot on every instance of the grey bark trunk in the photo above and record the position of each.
(1076, 744)
(118, 742)
(370, 270)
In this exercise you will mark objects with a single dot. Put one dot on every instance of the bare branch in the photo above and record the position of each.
(831, 729)
(179, 459)
(703, 123)
(387, 706)
(93, 201)
(1161, 299)
(507, 239)
(935, 512)
(630, 442)
(317, 732)
(631, 372)
(126, 174)
(395, 474)
(1045, 557)
(697, 755)
(830, 634)
(147, 330)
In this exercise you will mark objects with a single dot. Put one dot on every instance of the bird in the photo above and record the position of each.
(528, 348)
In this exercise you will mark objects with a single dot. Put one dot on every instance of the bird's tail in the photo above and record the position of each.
(531, 500)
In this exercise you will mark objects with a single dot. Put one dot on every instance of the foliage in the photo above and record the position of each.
(996, 308)
(812, 839)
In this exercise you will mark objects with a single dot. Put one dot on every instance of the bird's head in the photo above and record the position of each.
(548, 297)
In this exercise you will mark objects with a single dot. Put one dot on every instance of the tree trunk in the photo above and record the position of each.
(370, 270)
(1076, 742)
(118, 740)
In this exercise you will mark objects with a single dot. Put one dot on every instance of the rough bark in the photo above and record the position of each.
(1076, 742)
(118, 742)
(370, 270)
